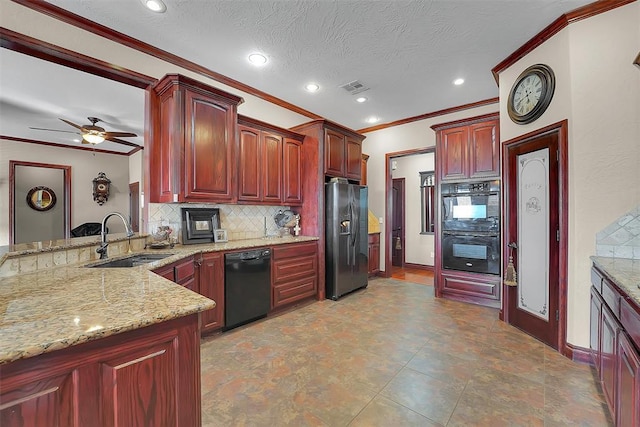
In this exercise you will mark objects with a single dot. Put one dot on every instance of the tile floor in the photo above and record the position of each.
(392, 355)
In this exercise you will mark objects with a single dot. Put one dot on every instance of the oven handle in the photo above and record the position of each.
(468, 234)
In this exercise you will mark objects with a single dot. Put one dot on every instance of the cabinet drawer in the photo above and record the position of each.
(630, 320)
(611, 297)
(596, 280)
(295, 268)
(471, 287)
(296, 250)
(184, 270)
(294, 290)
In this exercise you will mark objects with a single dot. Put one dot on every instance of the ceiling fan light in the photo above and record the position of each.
(93, 138)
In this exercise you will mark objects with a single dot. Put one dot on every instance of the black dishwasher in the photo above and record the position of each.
(247, 286)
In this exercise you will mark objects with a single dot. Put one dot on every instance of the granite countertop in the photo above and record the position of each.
(67, 305)
(623, 272)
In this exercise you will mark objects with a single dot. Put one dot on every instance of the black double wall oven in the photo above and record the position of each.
(471, 226)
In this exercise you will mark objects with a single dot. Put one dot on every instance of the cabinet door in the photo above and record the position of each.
(163, 158)
(374, 253)
(292, 180)
(49, 401)
(608, 368)
(454, 153)
(271, 168)
(249, 167)
(209, 152)
(354, 158)
(628, 390)
(595, 323)
(484, 145)
(334, 153)
(212, 286)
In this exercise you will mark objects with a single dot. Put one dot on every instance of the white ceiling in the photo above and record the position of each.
(407, 52)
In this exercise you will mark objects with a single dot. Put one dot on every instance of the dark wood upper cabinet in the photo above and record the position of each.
(292, 169)
(269, 164)
(192, 149)
(342, 154)
(453, 143)
(469, 148)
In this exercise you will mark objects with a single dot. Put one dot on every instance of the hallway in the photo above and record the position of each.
(392, 355)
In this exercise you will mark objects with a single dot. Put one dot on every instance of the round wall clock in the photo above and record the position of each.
(531, 94)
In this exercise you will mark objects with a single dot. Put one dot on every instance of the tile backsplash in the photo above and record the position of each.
(240, 221)
(621, 239)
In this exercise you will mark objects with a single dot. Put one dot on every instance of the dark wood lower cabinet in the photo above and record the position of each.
(211, 285)
(374, 254)
(482, 289)
(146, 377)
(615, 344)
(294, 273)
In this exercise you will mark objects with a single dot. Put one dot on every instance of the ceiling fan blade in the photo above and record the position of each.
(123, 142)
(72, 124)
(55, 130)
(109, 135)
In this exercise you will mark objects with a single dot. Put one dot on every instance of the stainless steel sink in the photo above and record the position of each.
(130, 261)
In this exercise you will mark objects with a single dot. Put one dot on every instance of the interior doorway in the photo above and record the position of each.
(39, 202)
(397, 223)
(535, 182)
(417, 247)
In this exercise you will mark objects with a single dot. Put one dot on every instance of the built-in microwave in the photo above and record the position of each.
(471, 206)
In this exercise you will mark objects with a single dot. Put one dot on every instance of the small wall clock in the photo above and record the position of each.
(531, 94)
(101, 187)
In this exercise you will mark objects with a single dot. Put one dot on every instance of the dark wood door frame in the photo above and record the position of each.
(389, 200)
(402, 220)
(67, 196)
(561, 129)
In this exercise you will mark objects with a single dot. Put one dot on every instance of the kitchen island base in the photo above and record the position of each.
(148, 376)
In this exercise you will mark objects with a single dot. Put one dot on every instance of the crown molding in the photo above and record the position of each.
(584, 12)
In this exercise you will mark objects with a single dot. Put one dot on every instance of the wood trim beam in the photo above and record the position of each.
(555, 27)
(53, 144)
(108, 33)
(49, 52)
(430, 115)
(579, 354)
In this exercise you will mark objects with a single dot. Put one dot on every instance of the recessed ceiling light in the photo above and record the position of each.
(458, 82)
(361, 99)
(76, 140)
(312, 87)
(373, 119)
(155, 5)
(257, 59)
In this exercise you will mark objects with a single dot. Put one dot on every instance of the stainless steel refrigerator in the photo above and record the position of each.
(346, 228)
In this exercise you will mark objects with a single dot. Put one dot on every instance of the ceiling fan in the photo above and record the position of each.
(93, 134)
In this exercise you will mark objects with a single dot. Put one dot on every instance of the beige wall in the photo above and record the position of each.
(400, 138)
(85, 166)
(598, 92)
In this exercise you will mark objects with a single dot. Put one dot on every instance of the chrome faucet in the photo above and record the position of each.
(102, 249)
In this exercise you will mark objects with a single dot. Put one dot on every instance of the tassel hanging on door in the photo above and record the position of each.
(398, 244)
(510, 275)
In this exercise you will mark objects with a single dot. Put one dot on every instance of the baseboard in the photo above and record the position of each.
(418, 266)
(579, 354)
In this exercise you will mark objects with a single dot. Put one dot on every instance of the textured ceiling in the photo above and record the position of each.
(406, 52)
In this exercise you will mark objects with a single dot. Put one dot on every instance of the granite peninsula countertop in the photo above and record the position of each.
(623, 272)
(63, 306)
